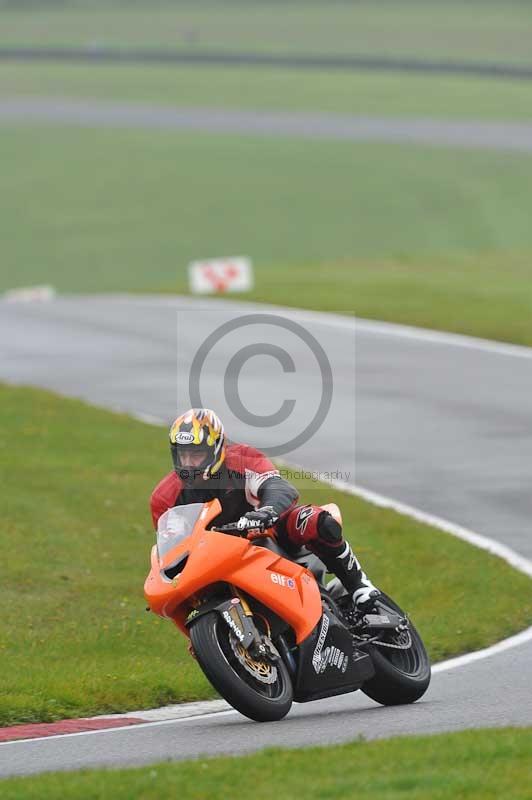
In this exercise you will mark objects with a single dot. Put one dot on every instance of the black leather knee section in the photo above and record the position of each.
(329, 530)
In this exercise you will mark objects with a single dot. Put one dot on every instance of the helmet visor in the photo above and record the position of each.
(190, 461)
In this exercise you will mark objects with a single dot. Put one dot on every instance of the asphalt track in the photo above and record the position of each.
(442, 423)
(505, 136)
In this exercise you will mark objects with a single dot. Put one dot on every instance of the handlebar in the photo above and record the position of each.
(231, 527)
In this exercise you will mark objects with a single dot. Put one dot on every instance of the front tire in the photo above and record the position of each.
(262, 702)
(401, 676)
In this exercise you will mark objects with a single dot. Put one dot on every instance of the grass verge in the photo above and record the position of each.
(74, 636)
(477, 765)
(385, 94)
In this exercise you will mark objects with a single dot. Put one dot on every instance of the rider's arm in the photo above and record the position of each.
(277, 493)
(273, 498)
(264, 485)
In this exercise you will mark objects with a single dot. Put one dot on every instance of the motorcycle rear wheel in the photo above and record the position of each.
(262, 702)
(401, 676)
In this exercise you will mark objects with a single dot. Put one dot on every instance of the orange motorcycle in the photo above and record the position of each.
(266, 629)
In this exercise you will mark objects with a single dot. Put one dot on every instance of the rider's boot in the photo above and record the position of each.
(339, 559)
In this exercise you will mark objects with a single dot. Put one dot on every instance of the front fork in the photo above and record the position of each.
(240, 619)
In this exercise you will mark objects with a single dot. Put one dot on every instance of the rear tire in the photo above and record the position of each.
(401, 676)
(259, 701)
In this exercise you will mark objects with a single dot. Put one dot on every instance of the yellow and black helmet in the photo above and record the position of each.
(198, 430)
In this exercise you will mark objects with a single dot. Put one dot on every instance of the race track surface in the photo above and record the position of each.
(493, 692)
(441, 424)
(505, 136)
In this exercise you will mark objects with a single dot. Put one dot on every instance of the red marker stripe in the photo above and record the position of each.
(37, 729)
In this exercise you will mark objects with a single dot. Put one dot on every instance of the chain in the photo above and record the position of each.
(404, 646)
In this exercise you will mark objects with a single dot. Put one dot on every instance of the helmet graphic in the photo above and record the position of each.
(197, 442)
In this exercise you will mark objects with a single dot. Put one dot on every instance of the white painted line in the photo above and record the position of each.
(442, 338)
(373, 327)
(395, 330)
(140, 726)
(494, 650)
(444, 666)
(175, 711)
(476, 539)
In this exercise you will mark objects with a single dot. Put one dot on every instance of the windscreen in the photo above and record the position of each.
(176, 524)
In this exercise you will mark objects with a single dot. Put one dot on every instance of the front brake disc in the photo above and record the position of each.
(263, 671)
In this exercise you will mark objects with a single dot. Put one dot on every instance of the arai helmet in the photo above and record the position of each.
(197, 432)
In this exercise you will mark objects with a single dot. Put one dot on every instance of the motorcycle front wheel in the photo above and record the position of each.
(401, 676)
(259, 688)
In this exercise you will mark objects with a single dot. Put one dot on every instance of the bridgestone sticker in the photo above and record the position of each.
(331, 656)
(316, 656)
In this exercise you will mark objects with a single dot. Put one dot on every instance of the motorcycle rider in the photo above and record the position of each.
(251, 489)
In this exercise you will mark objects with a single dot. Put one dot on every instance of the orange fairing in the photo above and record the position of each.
(287, 588)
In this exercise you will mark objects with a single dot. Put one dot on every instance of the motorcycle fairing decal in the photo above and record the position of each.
(282, 580)
(331, 656)
(235, 619)
(239, 633)
(316, 656)
(328, 662)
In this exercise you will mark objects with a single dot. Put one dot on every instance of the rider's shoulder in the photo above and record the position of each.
(242, 457)
(168, 487)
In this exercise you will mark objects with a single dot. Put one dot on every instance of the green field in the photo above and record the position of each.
(478, 30)
(471, 765)
(74, 636)
(429, 236)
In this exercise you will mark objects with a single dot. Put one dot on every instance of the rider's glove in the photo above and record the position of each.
(256, 522)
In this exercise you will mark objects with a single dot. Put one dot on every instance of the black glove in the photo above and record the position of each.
(258, 521)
